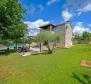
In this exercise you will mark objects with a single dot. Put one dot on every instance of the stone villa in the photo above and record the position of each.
(65, 31)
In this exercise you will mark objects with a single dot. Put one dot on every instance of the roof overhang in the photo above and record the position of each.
(47, 26)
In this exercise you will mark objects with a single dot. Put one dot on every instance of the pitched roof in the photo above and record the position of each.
(46, 26)
(63, 23)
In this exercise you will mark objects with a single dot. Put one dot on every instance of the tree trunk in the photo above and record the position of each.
(8, 48)
(40, 47)
(29, 44)
(49, 49)
(53, 45)
(16, 45)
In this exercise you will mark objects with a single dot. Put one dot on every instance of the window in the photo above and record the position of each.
(66, 27)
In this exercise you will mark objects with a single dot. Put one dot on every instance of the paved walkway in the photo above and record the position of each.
(33, 50)
(25, 54)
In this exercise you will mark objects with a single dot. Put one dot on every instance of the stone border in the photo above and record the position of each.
(85, 63)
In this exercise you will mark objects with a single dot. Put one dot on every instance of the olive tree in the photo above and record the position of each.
(49, 37)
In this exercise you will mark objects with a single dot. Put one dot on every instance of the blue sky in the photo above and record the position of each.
(40, 12)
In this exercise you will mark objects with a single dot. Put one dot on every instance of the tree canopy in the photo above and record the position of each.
(11, 19)
(48, 37)
(86, 36)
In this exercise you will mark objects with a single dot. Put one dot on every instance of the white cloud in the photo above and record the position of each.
(79, 28)
(86, 8)
(31, 9)
(89, 25)
(79, 13)
(66, 15)
(79, 23)
(51, 2)
(34, 26)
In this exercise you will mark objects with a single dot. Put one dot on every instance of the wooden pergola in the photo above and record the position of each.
(49, 27)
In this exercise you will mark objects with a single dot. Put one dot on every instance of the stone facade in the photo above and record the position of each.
(65, 31)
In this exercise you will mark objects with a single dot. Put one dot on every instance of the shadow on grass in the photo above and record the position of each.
(7, 52)
(82, 78)
(40, 53)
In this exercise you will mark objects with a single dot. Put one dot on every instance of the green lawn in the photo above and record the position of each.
(61, 67)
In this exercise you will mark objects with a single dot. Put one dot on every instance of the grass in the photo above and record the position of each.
(61, 67)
